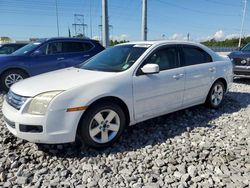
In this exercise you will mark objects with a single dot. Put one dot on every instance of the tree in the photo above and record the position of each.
(115, 42)
(227, 42)
(5, 39)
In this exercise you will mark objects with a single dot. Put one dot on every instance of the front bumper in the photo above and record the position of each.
(242, 70)
(58, 126)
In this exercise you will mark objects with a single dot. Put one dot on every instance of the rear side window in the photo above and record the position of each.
(195, 55)
(70, 47)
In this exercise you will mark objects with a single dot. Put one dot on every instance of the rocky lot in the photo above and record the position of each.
(198, 147)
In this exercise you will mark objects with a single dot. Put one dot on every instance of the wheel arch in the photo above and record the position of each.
(111, 99)
(14, 68)
(223, 80)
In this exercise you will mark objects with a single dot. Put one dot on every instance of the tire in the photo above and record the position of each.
(10, 77)
(216, 95)
(102, 125)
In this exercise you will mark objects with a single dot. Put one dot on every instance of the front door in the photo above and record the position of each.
(159, 93)
(51, 57)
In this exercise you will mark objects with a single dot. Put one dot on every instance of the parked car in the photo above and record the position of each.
(241, 61)
(44, 56)
(118, 87)
(10, 48)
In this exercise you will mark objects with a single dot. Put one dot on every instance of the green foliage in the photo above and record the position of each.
(115, 42)
(5, 39)
(227, 43)
(79, 36)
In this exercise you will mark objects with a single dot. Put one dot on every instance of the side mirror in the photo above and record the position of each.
(37, 53)
(150, 69)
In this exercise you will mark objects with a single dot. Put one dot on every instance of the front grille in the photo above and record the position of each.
(15, 100)
(243, 73)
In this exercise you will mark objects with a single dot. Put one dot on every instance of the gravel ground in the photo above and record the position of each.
(197, 147)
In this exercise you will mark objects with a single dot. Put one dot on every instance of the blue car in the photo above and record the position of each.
(44, 56)
(241, 61)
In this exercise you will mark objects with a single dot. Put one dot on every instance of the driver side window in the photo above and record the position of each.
(166, 58)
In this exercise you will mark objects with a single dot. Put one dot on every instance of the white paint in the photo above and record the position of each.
(146, 96)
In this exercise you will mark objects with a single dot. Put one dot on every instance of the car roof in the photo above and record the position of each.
(159, 42)
(64, 38)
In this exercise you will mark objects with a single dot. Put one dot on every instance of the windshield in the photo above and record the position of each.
(246, 48)
(6, 49)
(27, 48)
(115, 59)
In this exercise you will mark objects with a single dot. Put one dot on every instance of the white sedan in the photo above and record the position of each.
(119, 87)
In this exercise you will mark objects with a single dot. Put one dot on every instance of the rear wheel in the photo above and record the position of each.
(216, 95)
(10, 77)
(102, 125)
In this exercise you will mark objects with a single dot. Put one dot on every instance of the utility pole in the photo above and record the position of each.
(144, 29)
(110, 27)
(105, 24)
(242, 21)
(90, 21)
(188, 36)
(57, 22)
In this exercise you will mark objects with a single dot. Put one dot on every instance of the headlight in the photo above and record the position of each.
(40, 103)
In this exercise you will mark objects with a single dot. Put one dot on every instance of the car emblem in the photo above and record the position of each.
(243, 62)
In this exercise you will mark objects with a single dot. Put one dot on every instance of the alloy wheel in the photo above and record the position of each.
(104, 126)
(217, 94)
(11, 79)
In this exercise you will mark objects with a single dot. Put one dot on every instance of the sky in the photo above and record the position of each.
(167, 19)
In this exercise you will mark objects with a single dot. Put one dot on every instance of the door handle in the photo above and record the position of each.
(60, 58)
(212, 69)
(178, 76)
(181, 75)
(86, 55)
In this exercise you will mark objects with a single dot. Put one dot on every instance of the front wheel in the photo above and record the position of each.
(216, 95)
(10, 77)
(102, 125)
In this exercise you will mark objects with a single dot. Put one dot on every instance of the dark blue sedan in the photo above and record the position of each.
(44, 56)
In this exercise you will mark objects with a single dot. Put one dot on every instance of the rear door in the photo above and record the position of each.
(76, 52)
(162, 92)
(199, 70)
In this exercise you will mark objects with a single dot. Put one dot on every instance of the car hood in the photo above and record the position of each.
(64, 79)
(236, 54)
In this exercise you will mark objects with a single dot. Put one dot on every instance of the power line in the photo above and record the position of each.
(79, 25)
(224, 3)
(194, 10)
